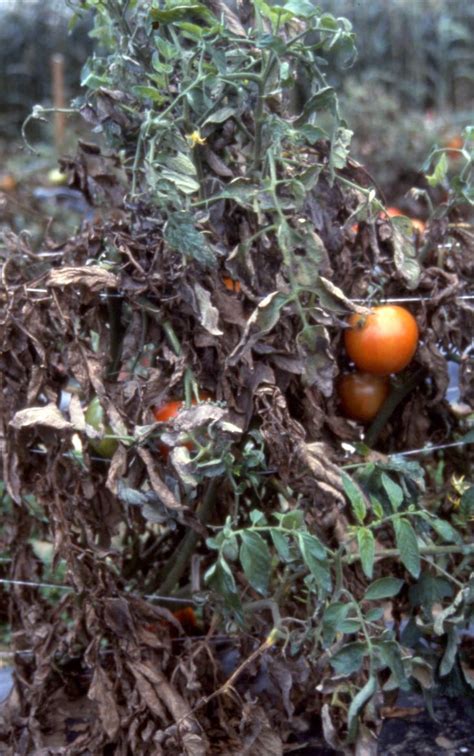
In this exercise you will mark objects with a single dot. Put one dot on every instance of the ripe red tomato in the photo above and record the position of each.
(186, 617)
(382, 342)
(361, 395)
(167, 412)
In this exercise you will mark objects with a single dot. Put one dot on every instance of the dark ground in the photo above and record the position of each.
(451, 734)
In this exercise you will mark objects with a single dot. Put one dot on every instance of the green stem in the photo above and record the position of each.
(389, 406)
(424, 551)
(177, 566)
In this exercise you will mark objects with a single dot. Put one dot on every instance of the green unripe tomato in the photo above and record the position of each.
(56, 178)
(94, 415)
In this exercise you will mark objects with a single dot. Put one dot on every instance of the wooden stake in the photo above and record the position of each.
(57, 73)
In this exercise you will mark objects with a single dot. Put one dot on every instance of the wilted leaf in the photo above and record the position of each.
(93, 276)
(49, 416)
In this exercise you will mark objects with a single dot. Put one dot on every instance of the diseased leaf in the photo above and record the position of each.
(49, 416)
(182, 235)
(209, 314)
(93, 277)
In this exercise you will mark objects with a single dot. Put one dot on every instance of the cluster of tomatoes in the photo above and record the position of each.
(379, 344)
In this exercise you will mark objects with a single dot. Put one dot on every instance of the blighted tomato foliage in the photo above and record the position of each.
(325, 571)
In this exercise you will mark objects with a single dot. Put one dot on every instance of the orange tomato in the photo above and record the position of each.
(453, 144)
(231, 285)
(187, 619)
(382, 342)
(394, 212)
(361, 395)
(7, 182)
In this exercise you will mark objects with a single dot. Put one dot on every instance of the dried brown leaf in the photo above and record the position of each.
(49, 416)
(94, 278)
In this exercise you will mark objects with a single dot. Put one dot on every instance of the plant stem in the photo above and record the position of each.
(396, 396)
(424, 551)
(177, 566)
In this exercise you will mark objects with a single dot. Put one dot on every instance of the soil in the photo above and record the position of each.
(451, 733)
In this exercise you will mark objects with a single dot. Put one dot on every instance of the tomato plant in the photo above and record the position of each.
(382, 342)
(94, 415)
(361, 395)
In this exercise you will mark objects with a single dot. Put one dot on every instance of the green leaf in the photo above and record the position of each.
(466, 508)
(185, 10)
(301, 8)
(383, 588)
(333, 616)
(149, 93)
(313, 553)
(180, 163)
(439, 173)
(293, 520)
(220, 579)
(390, 654)
(445, 530)
(324, 99)
(408, 546)
(221, 115)
(377, 508)
(185, 184)
(393, 491)
(357, 704)
(449, 656)
(375, 614)
(282, 545)
(349, 626)
(356, 497)
(312, 545)
(349, 659)
(428, 590)
(366, 543)
(255, 558)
